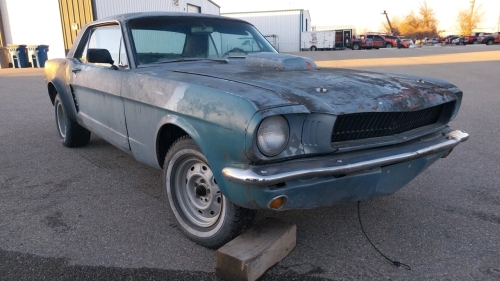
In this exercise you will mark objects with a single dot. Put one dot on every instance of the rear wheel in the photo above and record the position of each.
(313, 48)
(388, 45)
(356, 47)
(490, 42)
(71, 133)
(200, 210)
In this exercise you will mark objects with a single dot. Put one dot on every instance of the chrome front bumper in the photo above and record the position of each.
(342, 164)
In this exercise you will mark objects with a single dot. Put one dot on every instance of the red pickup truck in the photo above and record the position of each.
(472, 39)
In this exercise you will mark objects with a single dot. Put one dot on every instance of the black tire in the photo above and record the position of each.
(388, 45)
(72, 134)
(200, 210)
(356, 47)
(474, 42)
(313, 48)
(489, 42)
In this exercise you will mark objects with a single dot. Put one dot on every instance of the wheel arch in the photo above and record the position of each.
(55, 87)
(167, 134)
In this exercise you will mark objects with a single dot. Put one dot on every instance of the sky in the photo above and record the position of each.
(366, 14)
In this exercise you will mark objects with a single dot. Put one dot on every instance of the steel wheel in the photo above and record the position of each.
(196, 191)
(61, 120)
(72, 134)
(199, 208)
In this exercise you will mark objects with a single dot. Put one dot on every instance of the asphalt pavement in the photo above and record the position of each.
(95, 213)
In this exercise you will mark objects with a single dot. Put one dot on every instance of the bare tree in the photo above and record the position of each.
(468, 19)
(414, 25)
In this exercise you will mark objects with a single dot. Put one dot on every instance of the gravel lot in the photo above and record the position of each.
(94, 213)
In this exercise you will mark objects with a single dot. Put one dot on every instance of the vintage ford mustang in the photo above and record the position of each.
(238, 127)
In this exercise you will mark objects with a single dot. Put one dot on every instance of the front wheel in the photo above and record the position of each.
(72, 134)
(200, 210)
(356, 47)
(313, 48)
(490, 42)
(388, 45)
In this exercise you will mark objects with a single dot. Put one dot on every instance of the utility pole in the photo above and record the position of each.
(388, 21)
(471, 16)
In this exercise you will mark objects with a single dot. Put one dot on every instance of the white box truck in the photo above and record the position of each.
(318, 40)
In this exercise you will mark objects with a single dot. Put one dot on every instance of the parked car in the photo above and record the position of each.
(430, 41)
(449, 40)
(408, 43)
(242, 130)
(391, 41)
(471, 39)
(489, 39)
(458, 41)
(368, 41)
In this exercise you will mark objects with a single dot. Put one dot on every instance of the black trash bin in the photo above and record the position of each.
(18, 56)
(37, 55)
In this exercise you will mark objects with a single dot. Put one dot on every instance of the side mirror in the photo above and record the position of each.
(99, 56)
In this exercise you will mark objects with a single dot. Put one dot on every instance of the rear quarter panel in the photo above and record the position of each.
(57, 74)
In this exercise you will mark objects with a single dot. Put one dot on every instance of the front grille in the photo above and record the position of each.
(380, 124)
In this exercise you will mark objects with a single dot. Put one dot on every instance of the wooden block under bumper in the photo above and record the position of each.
(249, 255)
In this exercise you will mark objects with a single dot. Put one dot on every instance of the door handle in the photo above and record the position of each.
(75, 70)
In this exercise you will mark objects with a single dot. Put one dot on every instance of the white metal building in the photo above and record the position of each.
(106, 8)
(288, 25)
(56, 22)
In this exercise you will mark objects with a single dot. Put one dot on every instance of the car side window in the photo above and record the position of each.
(105, 38)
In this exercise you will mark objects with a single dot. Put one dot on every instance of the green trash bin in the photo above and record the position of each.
(4, 57)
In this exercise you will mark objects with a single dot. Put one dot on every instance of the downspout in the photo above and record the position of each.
(2, 32)
(94, 10)
(300, 30)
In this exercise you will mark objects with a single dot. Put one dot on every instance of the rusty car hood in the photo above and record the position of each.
(327, 90)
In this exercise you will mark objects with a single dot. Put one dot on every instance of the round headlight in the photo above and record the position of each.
(272, 135)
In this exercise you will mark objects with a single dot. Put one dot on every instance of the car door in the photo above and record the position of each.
(97, 86)
(378, 41)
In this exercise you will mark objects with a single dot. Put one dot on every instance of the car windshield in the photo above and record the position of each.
(167, 39)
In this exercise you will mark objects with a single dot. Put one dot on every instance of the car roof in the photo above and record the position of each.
(131, 16)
